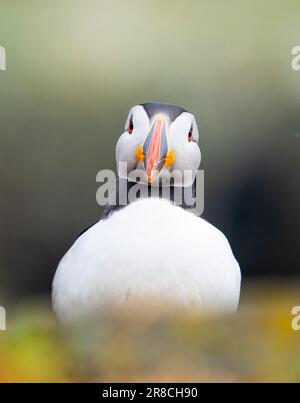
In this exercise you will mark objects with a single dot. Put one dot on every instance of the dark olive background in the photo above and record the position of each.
(74, 69)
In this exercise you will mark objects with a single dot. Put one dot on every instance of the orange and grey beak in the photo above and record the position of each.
(155, 149)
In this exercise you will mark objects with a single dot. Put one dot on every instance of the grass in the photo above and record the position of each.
(256, 344)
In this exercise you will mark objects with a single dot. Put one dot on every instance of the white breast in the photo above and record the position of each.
(150, 251)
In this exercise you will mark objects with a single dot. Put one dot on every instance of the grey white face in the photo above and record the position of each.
(160, 142)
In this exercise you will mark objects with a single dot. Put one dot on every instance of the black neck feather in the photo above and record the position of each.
(116, 205)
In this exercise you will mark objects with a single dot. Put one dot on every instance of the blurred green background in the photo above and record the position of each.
(74, 69)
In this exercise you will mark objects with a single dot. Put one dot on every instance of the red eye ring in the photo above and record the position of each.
(190, 135)
(130, 126)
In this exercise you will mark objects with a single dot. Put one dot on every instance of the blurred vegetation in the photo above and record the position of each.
(256, 344)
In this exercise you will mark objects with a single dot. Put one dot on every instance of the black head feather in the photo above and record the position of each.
(153, 108)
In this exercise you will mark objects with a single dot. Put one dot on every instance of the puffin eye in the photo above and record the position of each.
(190, 135)
(130, 126)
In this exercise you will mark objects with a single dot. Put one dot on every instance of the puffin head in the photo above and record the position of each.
(159, 146)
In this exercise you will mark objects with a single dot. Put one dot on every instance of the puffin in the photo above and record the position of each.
(150, 252)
